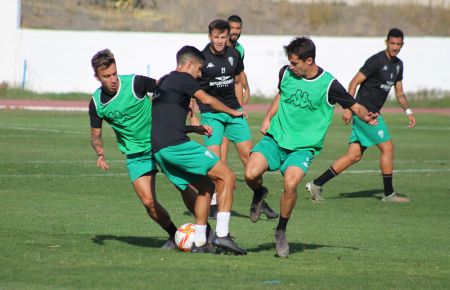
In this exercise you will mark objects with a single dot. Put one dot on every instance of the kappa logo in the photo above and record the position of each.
(118, 117)
(209, 154)
(300, 99)
(381, 134)
(210, 65)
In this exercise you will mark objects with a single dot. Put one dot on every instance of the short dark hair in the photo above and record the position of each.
(189, 52)
(235, 18)
(395, 32)
(219, 24)
(103, 58)
(301, 46)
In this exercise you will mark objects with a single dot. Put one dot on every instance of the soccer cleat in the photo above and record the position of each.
(169, 245)
(394, 197)
(228, 244)
(269, 212)
(257, 201)
(315, 191)
(213, 211)
(281, 244)
(205, 249)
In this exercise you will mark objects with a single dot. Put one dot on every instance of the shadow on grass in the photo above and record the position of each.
(363, 193)
(147, 242)
(296, 247)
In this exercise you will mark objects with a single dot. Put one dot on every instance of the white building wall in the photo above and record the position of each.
(59, 61)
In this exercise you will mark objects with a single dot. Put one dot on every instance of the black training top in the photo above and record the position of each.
(218, 74)
(381, 73)
(142, 86)
(170, 108)
(336, 93)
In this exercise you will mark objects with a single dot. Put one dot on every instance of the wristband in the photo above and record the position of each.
(408, 112)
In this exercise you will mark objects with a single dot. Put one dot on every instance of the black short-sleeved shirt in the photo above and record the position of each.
(218, 75)
(170, 108)
(142, 86)
(381, 73)
(336, 93)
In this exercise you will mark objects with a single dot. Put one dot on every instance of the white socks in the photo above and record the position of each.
(200, 235)
(213, 199)
(223, 219)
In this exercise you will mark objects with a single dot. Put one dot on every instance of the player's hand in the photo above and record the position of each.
(372, 118)
(102, 163)
(347, 116)
(203, 130)
(264, 126)
(237, 113)
(412, 121)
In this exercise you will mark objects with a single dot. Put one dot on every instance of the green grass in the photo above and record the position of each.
(65, 224)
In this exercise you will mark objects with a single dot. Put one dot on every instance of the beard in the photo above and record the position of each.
(234, 37)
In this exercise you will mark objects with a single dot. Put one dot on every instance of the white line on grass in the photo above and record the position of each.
(238, 173)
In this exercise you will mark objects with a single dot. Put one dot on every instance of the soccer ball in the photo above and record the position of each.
(184, 237)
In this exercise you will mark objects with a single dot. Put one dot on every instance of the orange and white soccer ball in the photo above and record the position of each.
(184, 237)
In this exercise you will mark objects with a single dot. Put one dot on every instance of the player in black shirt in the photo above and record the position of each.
(220, 73)
(187, 162)
(375, 79)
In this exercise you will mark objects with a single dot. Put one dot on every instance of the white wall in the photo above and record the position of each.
(59, 61)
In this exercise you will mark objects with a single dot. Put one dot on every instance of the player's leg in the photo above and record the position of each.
(224, 149)
(189, 196)
(353, 155)
(144, 187)
(255, 168)
(387, 169)
(292, 177)
(225, 182)
(205, 188)
(238, 131)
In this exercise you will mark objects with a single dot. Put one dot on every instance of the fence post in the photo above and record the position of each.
(24, 77)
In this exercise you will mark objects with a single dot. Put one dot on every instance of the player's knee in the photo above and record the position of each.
(355, 157)
(149, 204)
(250, 173)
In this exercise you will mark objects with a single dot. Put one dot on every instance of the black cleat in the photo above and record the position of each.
(213, 211)
(205, 249)
(228, 244)
(257, 201)
(268, 211)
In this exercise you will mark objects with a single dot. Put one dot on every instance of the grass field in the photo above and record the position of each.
(65, 224)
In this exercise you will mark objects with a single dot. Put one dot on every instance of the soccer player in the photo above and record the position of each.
(295, 127)
(220, 74)
(375, 79)
(186, 162)
(123, 102)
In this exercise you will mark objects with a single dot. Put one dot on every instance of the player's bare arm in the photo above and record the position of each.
(238, 89)
(206, 99)
(97, 145)
(269, 114)
(245, 87)
(403, 102)
(354, 83)
(199, 129)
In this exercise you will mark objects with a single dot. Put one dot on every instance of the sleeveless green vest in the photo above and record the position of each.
(240, 48)
(129, 116)
(304, 114)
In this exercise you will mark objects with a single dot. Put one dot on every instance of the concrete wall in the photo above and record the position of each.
(59, 61)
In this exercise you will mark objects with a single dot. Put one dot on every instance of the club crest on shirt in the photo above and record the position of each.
(230, 60)
(300, 99)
